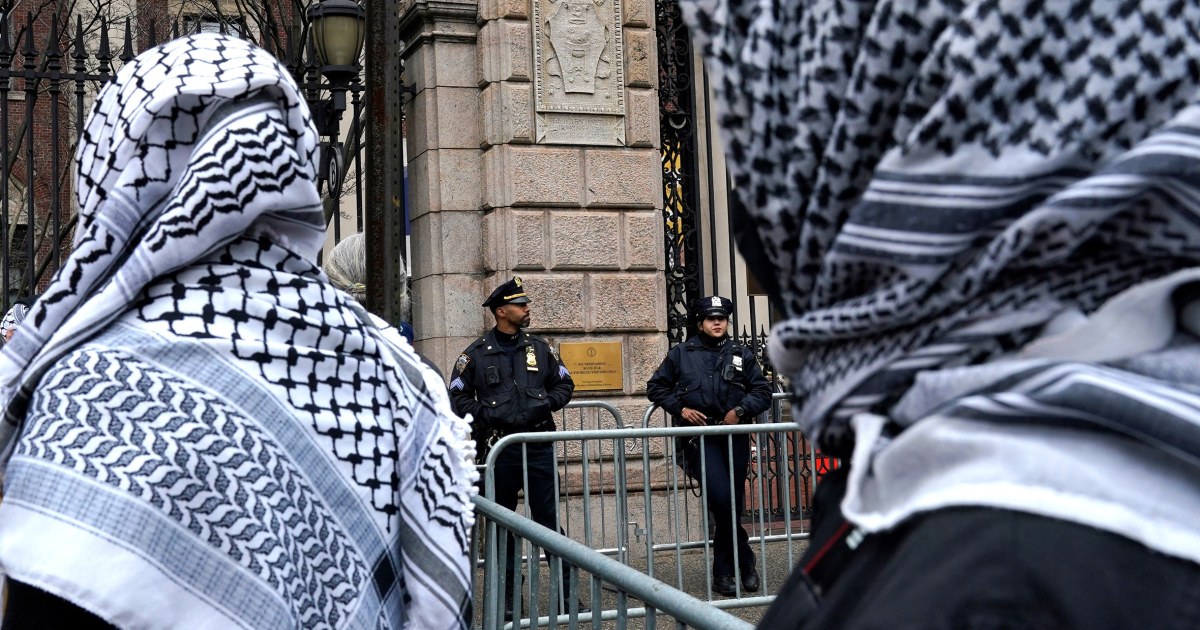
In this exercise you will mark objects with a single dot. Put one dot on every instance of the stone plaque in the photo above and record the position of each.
(556, 128)
(594, 366)
(579, 73)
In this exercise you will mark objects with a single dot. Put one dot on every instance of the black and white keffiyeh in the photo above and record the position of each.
(982, 218)
(12, 319)
(203, 432)
(928, 184)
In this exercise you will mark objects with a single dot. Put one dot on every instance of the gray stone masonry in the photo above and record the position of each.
(580, 223)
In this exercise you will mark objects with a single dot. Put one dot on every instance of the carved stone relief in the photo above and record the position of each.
(579, 82)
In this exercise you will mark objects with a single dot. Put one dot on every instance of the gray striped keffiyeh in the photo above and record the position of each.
(982, 220)
(931, 183)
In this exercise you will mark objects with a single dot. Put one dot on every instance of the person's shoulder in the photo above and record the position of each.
(739, 348)
(472, 352)
(537, 341)
(676, 352)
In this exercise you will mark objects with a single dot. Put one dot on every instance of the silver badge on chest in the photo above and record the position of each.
(530, 359)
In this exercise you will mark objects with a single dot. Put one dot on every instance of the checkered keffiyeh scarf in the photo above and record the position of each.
(193, 401)
(12, 319)
(927, 184)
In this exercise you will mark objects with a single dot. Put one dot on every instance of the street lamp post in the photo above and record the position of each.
(338, 28)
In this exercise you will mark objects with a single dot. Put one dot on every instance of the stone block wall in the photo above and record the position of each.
(445, 126)
(491, 196)
(580, 223)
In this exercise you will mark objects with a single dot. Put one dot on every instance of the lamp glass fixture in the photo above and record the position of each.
(338, 28)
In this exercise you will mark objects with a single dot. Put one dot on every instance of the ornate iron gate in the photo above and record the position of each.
(677, 98)
(50, 75)
(696, 194)
(701, 258)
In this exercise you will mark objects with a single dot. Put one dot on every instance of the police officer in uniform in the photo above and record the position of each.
(513, 382)
(708, 380)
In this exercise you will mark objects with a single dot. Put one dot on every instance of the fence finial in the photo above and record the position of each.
(293, 63)
(127, 53)
(79, 54)
(104, 55)
(6, 51)
(53, 51)
(30, 51)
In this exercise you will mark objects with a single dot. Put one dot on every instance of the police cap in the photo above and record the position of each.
(511, 292)
(712, 305)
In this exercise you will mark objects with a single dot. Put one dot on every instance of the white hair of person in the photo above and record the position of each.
(347, 269)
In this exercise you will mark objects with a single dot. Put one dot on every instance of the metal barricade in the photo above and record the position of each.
(784, 470)
(578, 463)
(642, 498)
(624, 582)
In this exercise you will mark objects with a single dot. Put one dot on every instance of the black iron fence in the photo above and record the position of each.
(677, 128)
(785, 467)
(49, 77)
(701, 258)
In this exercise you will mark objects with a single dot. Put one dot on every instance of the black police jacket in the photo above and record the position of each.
(684, 380)
(486, 385)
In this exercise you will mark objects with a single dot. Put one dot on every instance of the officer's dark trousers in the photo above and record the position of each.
(510, 477)
(726, 508)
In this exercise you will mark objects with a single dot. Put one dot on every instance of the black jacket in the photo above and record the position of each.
(685, 380)
(486, 385)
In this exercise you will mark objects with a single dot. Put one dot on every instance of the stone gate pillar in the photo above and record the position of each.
(536, 154)
(445, 175)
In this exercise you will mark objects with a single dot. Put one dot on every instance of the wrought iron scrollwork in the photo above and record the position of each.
(49, 74)
(676, 94)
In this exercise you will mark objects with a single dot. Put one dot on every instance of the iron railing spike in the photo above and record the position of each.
(290, 54)
(175, 29)
(6, 51)
(127, 53)
(30, 48)
(79, 53)
(53, 51)
(151, 37)
(104, 54)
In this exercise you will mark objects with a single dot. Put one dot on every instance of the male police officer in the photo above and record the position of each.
(708, 380)
(513, 382)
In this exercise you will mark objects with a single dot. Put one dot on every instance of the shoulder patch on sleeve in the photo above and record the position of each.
(462, 362)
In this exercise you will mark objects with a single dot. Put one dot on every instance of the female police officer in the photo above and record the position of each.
(710, 380)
